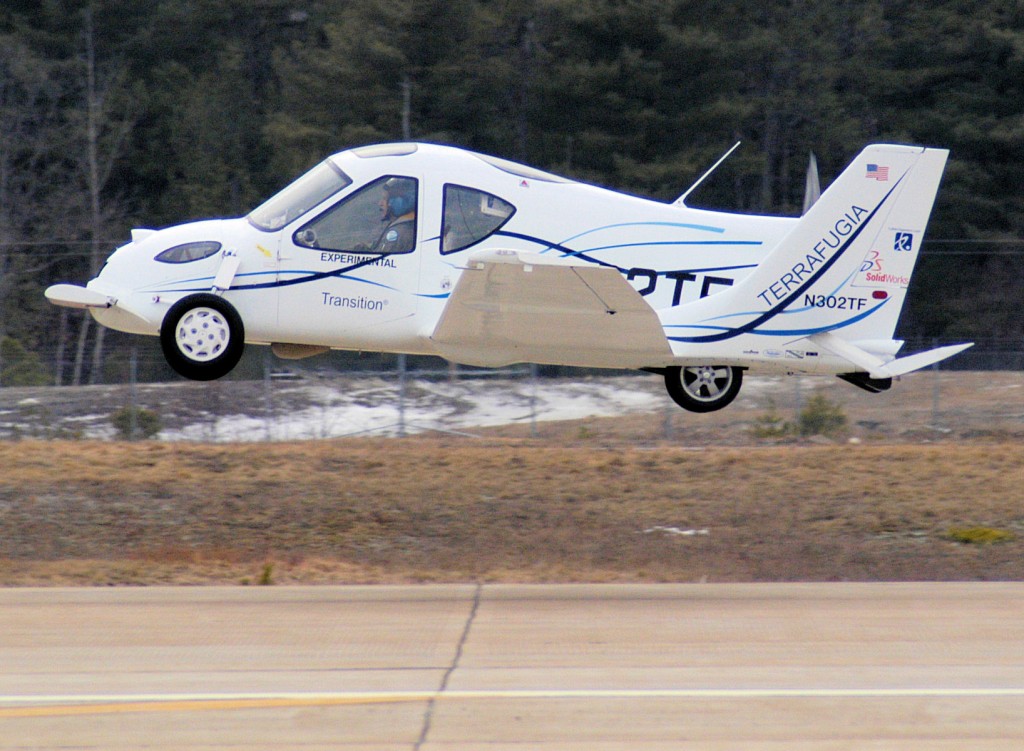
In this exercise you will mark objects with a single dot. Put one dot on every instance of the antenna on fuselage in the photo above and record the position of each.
(681, 201)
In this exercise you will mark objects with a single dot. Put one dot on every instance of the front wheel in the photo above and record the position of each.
(703, 388)
(202, 337)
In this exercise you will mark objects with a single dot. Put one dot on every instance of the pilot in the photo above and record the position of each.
(398, 212)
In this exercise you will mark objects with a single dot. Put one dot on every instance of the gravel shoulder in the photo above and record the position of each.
(499, 509)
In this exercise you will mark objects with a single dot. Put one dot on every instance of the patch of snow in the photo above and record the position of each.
(676, 531)
(429, 405)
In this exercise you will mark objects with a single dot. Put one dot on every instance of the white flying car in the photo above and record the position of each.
(433, 250)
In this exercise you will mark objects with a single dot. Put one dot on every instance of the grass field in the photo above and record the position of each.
(507, 508)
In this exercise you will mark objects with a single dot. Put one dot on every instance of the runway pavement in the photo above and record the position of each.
(780, 667)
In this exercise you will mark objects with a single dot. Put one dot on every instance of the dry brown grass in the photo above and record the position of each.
(502, 509)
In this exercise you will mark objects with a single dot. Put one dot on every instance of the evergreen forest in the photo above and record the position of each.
(117, 114)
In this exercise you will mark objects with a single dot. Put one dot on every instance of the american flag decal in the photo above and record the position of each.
(875, 172)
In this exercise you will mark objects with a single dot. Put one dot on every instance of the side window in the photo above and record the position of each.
(471, 216)
(379, 218)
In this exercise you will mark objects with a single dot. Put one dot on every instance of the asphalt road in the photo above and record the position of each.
(794, 667)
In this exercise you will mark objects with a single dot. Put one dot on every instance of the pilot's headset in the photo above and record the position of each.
(401, 196)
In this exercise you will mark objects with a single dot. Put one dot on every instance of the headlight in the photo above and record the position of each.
(189, 252)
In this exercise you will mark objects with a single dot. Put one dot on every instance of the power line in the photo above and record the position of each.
(975, 241)
(974, 252)
(73, 246)
(58, 241)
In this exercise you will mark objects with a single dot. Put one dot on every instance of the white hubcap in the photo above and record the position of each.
(202, 334)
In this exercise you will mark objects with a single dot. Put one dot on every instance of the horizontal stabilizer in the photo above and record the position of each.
(875, 366)
(514, 306)
(909, 364)
(73, 296)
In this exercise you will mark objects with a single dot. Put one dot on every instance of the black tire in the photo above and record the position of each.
(703, 388)
(202, 337)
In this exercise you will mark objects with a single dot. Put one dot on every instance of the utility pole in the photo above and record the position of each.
(406, 109)
(401, 394)
(93, 113)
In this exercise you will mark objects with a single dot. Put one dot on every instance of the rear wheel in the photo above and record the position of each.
(202, 337)
(703, 388)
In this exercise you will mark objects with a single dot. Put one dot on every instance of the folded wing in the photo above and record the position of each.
(513, 306)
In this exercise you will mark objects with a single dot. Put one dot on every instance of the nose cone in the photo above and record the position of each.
(133, 289)
(135, 265)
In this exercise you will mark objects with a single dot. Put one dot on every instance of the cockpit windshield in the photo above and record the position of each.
(314, 187)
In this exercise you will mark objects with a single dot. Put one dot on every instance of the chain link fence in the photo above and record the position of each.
(274, 400)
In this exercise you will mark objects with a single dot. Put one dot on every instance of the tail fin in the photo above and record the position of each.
(844, 269)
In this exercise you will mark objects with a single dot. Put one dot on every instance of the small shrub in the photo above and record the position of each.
(979, 535)
(267, 577)
(147, 422)
(770, 425)
(821, 417)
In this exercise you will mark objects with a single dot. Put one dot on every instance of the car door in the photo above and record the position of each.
(348, 274)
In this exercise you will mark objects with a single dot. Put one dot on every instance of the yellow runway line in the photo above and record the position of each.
(198, 705)
(70, 705)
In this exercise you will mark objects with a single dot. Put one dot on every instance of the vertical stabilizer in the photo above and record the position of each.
(844, 268)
